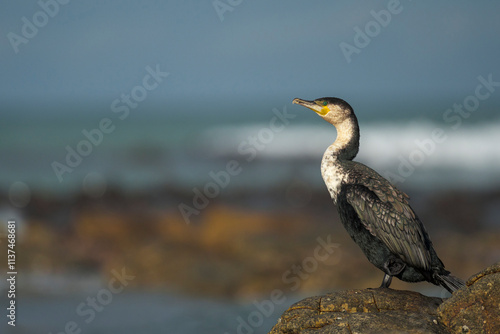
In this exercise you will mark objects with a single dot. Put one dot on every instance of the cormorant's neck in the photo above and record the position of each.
(346, 145)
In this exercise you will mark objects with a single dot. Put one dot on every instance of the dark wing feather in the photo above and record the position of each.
(385, 212)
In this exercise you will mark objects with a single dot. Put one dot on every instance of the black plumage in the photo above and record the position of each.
(377, 215)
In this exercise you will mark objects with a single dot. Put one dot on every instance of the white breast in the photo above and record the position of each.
(333, 175)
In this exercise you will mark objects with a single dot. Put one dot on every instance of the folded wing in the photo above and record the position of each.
(385, 212)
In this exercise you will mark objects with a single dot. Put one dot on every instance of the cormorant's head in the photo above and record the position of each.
(331, 109)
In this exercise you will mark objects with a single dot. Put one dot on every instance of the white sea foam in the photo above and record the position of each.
(468, 156)
(470, 153)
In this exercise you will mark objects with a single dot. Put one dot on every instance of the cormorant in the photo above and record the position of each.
(377, 215)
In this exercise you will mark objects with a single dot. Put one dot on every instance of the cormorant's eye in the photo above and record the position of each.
(325, 103)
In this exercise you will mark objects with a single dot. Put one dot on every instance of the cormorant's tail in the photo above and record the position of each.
(450, 282)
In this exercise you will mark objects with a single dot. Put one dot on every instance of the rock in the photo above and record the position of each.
(473, 309)
(362, 311)
(476, 308)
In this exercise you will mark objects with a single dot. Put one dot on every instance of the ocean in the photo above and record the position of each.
(84, 151)
(143, 312)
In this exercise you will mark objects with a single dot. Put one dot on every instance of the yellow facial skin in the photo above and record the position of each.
(323, 111)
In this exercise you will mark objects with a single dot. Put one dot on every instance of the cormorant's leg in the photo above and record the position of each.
(386, 282)
(392, 267)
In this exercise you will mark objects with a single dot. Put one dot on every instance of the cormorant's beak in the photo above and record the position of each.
(320, 110)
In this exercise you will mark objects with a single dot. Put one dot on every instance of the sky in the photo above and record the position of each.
(242, 50)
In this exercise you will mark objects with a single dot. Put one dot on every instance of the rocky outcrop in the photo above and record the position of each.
(362, 311)
(473, 309)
